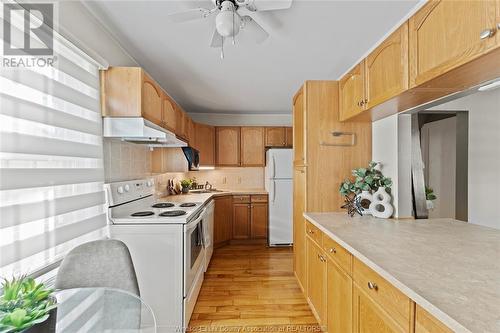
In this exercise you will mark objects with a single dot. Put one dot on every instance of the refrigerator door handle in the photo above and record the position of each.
(273, 195)
(273, 167)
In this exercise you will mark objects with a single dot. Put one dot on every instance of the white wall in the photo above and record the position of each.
(219, 119)
(389, 136)
(484, 154)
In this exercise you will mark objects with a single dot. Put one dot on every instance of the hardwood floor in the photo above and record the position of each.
(251, 288)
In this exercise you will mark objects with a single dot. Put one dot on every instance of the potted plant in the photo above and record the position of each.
(363, 183)
(186, 185)
(26, 306)
(430, 196)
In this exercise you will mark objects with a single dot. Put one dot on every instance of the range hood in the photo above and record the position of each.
(141, 131)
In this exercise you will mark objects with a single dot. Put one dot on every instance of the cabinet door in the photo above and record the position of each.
(227, 146)
(151, 100)
(446, 34)
(352, 92)
(316, 280)
(299, 230)
(190, 133)
(386, 68)
(252, 146)
(298, 130)
(223, 219)
(179, 122)
(275, 137)
(289, 136)
(241, 221)
(205, 143)
(426, 323)
(169, 114)
(339, 299)
(370, 317)
(258, 224)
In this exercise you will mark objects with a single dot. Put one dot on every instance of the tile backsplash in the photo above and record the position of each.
(221, 178)
(125, 161)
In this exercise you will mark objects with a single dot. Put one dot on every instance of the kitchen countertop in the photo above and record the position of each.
(448, 267)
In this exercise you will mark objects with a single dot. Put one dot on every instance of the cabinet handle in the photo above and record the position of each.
(487, 33)
(333, 250)
(372, 286)
(310, 231)
(321, 258)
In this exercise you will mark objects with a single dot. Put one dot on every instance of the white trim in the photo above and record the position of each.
(419, 5)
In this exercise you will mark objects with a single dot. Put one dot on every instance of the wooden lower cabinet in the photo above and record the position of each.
(339, 299)
(258, 221)
(426, 323)
(223, 220)
(369, 316)
(316, 280)
(241, 220)
(299, 225)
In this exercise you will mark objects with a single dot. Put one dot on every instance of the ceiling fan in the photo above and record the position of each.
(232, 17)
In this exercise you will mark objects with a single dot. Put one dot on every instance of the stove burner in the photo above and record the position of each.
(146, 213)
(172, 213)
(187, 204)
(163, 205)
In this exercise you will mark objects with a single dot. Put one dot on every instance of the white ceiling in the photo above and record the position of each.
(313, 40)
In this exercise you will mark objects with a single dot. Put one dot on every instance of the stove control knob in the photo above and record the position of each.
(120, 189)
(127, 188)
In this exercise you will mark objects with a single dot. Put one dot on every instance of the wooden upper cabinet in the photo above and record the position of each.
(180, 123)
(205, 143)
(275, 137)
(352, 92)
(227, 141)
(169, 114)
(289, 136)
(151, 100)
(190, 132)
(446, 34)
(299, 158)
(252, 146)
(386, 68)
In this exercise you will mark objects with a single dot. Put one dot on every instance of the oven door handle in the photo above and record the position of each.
(191, 225)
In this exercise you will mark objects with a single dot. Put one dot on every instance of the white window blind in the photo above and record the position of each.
(51, 164)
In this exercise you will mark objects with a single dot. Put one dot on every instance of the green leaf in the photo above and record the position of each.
(18, 317)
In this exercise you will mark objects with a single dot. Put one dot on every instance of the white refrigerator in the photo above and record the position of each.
(278, 174)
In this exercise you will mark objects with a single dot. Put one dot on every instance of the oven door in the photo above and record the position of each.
(194, 251)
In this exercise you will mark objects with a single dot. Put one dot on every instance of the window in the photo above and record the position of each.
(51, 163)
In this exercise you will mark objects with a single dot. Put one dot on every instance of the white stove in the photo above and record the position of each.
(170, 244)
(134, 202)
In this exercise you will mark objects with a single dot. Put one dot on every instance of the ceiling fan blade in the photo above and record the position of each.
(217, 39)
(263, 5)
(254, 30)
(189, 15)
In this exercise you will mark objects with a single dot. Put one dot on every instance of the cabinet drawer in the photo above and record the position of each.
(340, 255)
(397, 305)
(313, 232)
(259, 198)
(241, 198)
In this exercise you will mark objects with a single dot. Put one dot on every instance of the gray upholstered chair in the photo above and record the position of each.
(101, 263)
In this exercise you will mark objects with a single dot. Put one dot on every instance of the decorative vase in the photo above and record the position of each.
(185, 190)
(365, 198)
(381, 204)
(429, 204)
(47, 326)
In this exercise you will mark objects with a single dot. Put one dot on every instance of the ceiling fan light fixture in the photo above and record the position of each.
(227, 21)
